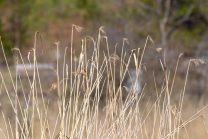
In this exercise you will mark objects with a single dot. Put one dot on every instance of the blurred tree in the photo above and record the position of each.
(173, 18)
(174, 14)
(28, 16)
(5, 36)
(16, 18)
(92, 9)
(6, 42)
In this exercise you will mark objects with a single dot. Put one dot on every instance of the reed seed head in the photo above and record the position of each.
(126, 40)
(92, 62)
(78, 28)
(197, 62)
(174, 109)
(159, 49)
(53, 46)
(114, 57)
(53, 86)
(83, 72)
(90, 40)
(101, 29)
(151, 39)
(103, 37)
(143, 66)
(133, 50)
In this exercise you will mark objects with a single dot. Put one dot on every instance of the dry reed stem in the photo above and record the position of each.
(181, 54)
(12, 82)
(123, 119)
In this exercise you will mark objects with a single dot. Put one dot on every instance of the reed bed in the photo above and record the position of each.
(83, 117)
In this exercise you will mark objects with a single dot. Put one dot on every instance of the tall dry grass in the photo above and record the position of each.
(82, 117)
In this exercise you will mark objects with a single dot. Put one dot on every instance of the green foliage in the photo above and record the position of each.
(190, 31)
(7, 43)
(190, 37)
(44, 12)
(149, 2)
(81, 3)
(32, 15)
(37, 14)
(91, 8)
(17, 19)
(203, 8)
(5, 37)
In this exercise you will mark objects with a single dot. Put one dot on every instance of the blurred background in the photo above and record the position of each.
(175, 25)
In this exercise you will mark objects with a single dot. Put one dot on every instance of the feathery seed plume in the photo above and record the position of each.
(101, 29)
(126, 40)
(159, 49)
(78, 28)
(197, 61)
(151, 39)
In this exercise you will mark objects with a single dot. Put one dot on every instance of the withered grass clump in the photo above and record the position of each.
(119, 118)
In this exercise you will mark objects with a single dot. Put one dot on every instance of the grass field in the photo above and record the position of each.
(87, 98)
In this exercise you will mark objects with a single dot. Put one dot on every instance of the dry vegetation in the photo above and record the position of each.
(80, 113)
